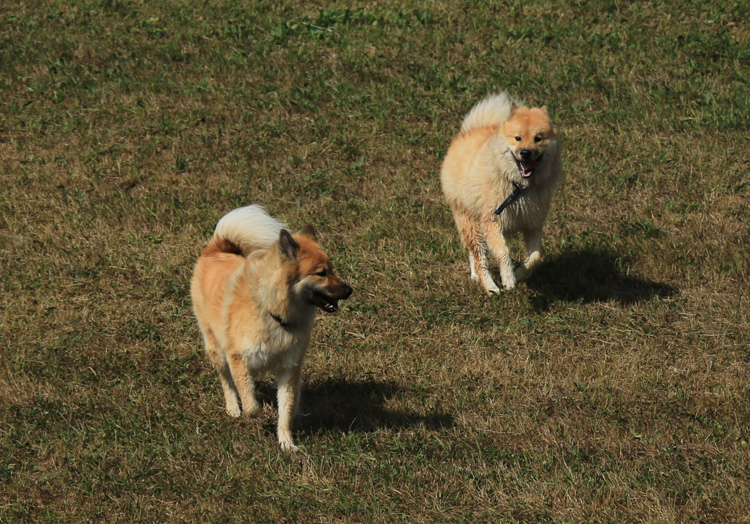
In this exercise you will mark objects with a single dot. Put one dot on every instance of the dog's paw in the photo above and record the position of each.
(287, 444)
(234, 411)
(289, 448)
(509, 281)
(493, 291)
(252, 410)
(508, 278)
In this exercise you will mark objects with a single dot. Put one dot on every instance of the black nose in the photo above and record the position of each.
(347, 292)
(526, 154)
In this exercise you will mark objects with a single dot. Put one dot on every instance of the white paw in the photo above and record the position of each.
(234, 411)
(287, 444)
(509, 280)
(492, 291)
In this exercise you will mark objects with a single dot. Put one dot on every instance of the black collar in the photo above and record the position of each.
(278, 319)
(508, 201)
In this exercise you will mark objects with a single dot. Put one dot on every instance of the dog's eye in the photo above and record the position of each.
(518, 139)
(537, 139)
(322, 273)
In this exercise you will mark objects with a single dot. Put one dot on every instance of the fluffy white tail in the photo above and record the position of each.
(491, 111)
(249, 228)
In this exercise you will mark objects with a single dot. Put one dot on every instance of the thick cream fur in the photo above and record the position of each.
(478, 174)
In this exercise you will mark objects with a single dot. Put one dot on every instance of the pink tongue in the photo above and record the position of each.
(527, 169)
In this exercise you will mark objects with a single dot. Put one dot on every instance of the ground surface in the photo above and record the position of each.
(612, 387)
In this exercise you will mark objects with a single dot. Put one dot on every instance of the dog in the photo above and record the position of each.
(256, 289)
(504, 153)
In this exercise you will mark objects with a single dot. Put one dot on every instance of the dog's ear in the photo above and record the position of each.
(513, 107)
(287, 245)
(309, 231)
(544, 110)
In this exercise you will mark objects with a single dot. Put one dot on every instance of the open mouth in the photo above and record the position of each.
(327, 304)
(527, 168)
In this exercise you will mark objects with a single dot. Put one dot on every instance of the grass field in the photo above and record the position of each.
(614, 386)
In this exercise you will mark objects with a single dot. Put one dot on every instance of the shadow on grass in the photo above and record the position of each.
(358, 407)
(590, 276)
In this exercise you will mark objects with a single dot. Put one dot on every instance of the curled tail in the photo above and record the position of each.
(493, 110)
(243, 231)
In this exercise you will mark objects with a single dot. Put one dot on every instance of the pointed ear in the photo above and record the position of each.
(287, 246)
(309, 231)
(544, 110)
(513, 107)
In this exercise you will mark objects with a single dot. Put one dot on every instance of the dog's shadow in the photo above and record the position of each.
(338, 405)
(590, 276)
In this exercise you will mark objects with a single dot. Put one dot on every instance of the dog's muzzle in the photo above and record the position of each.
(330, 303)
(527, 164)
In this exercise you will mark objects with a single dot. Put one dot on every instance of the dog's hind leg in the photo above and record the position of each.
(471, 236)
(222, 367)
(244, 382)
(288, 397)
(533, 240)
(499, 248)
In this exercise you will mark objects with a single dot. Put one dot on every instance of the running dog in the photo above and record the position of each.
(498, 177)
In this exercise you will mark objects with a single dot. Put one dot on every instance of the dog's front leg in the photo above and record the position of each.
(499, 249)
(533, 240)
(245, 384)
(288, 396)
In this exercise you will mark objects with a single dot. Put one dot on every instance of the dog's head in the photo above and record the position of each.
(529, 133)
(310, 271)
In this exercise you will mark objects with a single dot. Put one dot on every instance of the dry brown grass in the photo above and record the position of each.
(612, 387)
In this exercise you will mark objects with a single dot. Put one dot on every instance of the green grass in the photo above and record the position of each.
(611, 387)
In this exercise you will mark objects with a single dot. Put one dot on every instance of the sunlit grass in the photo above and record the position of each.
(612, 387)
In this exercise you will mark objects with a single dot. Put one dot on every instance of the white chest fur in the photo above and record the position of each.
(280, 349)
